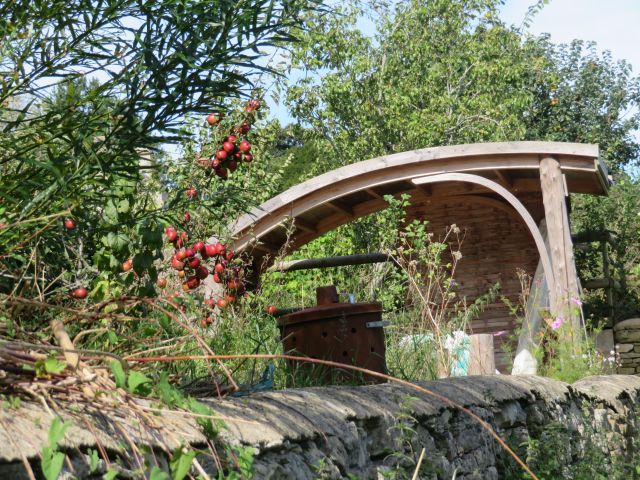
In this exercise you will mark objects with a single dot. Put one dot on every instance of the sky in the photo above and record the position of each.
(613, 24)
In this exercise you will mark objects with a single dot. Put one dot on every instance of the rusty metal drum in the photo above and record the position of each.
(349, 333)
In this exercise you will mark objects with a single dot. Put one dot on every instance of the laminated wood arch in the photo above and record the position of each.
(340, 196)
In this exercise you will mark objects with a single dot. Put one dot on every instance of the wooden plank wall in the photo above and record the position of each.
(496, 245)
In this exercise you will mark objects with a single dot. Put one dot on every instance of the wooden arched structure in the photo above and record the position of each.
(499, 192)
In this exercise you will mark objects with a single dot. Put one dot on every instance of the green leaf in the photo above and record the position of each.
(181, 462)
(138, 382)
(118, 373)
(110, 474)
(158, 474)
(52, 464)
(52, 365)
(94, 460)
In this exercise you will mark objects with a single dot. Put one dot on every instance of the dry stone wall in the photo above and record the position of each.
(365, 432)
(627, 346)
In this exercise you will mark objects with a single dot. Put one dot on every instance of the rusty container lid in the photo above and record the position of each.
(328, 312)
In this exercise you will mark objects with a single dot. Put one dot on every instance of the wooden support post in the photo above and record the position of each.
(561, 247)
(481, 355)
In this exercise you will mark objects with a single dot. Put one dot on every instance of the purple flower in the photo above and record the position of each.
(576, 301)
(556, 323)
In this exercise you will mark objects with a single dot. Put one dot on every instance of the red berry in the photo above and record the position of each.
(172, 235)
(177, 264)
(233, 165)
(191, 252)
(222, 303)
(194, 262)
(199, 247)
(192, 282)
(245, 146)
(187, 217)
(80, 293)
(232, 285)
(162, 282)
(271, 309)
(228, 147)
(210, 250)
(219, 268)
(248, 157)
(222, 173)
(219, 249)
(215, 163)
(127, 265)
(244, 128)
(69, 223)
(212, 119)
(181, 255)
(231, 138)
(221, 154)
(216, 278)
(202, 272)
(229, 255)
(191, 192)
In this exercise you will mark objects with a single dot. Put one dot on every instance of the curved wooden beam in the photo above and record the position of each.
(320, 191)
(515, 203)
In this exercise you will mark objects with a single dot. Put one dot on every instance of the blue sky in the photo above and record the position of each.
(613, 24)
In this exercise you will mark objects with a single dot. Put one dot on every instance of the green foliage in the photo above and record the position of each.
(181, 462)
(563, 359)
(618, 213)
(87, 89)
(49, 365)
(243, 460)
(52, 459)
(560, 451)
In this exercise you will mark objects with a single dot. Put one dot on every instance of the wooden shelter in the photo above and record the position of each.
(499, 193)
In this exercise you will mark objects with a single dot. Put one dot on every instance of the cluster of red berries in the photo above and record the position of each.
(188, 261)
(234, 148)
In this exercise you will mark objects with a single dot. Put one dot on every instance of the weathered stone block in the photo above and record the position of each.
(626, 370)
(625, 347)
(605, 342)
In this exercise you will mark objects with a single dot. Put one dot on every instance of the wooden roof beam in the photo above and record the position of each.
(304, 225)
(373, 193)
(504, 178)
(340, 208)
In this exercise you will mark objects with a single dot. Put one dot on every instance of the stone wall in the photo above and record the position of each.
(627, 346)
(365, 432)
